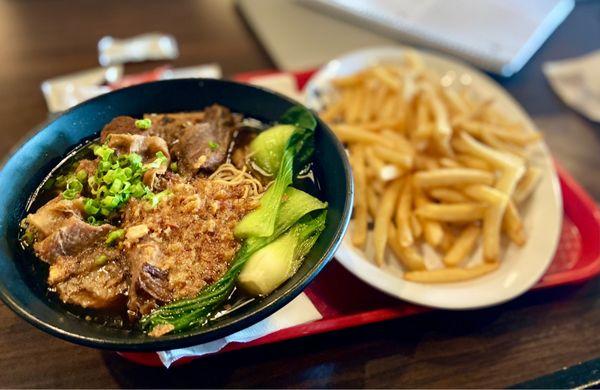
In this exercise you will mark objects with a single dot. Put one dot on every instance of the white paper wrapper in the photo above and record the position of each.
(66, 91)
(151, 46)
(209, 71)
(577, 82)
(299, 311)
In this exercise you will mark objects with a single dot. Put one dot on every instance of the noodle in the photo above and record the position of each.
(228, 174)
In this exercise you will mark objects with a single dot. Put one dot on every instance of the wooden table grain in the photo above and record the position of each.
(533, 335)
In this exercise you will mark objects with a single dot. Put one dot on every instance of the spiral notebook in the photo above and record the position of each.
(496, 35)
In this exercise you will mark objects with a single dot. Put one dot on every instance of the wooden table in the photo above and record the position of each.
(534, 335)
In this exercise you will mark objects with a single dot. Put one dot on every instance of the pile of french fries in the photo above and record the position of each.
(433, 164)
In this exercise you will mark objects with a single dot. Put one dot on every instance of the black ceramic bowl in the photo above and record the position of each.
(24, 291)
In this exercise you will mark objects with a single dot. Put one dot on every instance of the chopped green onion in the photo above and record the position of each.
(114, 236)
(154, 199)
(104, 152)
(110, 202)
(91, 207)
(143, 124)
(213, 145)
(160, 160)
(173, 166)
(100, 260)
(81, 175)
(73, 189)
(137, 190)
(116, 186)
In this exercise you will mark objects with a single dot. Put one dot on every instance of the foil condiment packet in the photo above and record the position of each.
(151, 46)
(577, 82)
(66, 91)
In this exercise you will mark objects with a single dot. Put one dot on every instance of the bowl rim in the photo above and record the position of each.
(225, 326)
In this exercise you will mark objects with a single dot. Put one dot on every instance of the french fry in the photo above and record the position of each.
(355, 105)
(512, 225)
(457, 212)
(446, 162)
(452, 176)
(443, 130)
(473, 162)
(520, 138)
(359, 225)
(403, 209)
(386, 78)
(366, 110)
(408, 256)
(462, 246)
(372, 200)
(498, 144)
(509, 178)
(447, 275)
(415, 226)
(432, 230)
(447, 195)
(425, 163)
(468, 144)
(527, 184)
(351, 133)
(403, 160)
(399, 141)
(447, 240)
(383, 219)
(387, 112)
(492, 220)
(455, 102)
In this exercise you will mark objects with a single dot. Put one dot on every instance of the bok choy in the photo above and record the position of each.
(261, 221)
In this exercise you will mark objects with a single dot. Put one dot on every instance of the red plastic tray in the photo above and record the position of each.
(577, 259)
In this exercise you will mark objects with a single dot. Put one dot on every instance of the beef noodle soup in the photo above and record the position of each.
(171, 219)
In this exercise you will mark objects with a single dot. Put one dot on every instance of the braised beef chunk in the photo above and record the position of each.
(155, 282)
(101, 287)
(149, 284)
(119, 125)
(170, 126)
(204, 146)
(95, 256)
(53, 215)
(69, 239)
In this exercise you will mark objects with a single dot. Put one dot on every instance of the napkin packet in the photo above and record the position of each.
(577, 82)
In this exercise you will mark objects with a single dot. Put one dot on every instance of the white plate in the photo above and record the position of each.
(521, 267)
